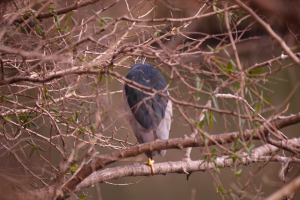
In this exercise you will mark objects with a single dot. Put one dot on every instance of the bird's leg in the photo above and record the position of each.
(150, 163)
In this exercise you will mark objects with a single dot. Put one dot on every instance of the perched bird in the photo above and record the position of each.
(149, 115)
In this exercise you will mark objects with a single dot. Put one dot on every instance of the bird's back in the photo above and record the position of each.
(149, 116)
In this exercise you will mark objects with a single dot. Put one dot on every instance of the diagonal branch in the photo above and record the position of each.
(270, 31)
(286, 191)
(183, 167)
(104, 160)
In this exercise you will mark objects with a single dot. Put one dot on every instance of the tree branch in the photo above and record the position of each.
(182, 167)
(270, 31)
(285, 191)
(104, 160)
(67, 9)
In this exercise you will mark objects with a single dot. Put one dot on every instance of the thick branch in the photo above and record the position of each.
(88, 175)
(286, 191)
(182, 167)
(136, 169)
(104, 160)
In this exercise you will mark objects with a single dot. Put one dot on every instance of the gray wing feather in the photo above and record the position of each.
(148, 135)
(163, 130)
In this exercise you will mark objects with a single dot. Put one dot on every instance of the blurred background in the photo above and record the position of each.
(254, 45)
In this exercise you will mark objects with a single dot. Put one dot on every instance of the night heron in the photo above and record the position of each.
(149, 115)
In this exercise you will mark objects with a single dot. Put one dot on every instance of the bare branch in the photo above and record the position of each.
(270, 31)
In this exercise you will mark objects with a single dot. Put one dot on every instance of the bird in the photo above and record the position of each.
(148, 115)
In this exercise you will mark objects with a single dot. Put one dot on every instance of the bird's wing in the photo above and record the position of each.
(142, 134)
(163, 130)
(164, 127)
(148, 135)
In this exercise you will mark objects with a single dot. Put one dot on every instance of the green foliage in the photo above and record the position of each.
(256, 71)
(103, 20)
(82, 197)
(35, 148)
(21, 150)
(74, 168)
(26, 120)
(221, 190)
(157, 33)
(257, 108)
(4, 96)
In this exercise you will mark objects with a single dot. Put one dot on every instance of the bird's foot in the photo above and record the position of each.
(150, 163)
